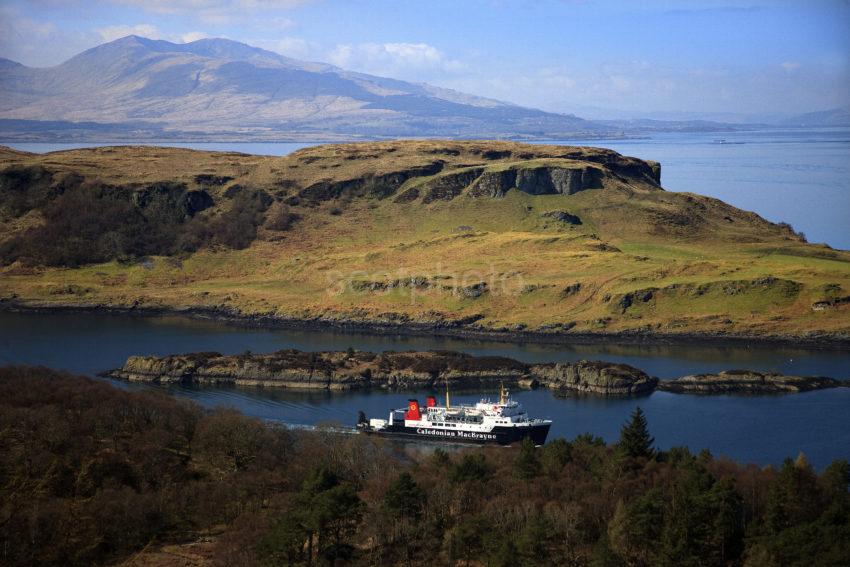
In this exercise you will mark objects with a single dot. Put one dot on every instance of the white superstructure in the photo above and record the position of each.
(504, 421)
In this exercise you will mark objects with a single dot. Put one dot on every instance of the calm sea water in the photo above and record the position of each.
(763, 430)
(796, 176)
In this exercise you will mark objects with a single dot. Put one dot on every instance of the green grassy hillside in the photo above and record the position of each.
(484, 235)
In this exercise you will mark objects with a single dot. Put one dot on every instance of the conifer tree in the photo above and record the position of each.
(635, 440)
(404, 497)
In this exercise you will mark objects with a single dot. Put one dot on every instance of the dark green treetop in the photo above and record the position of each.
(635, 440)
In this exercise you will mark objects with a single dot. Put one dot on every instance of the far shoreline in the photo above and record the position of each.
(449, 329)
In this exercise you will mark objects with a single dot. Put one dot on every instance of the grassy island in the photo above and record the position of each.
(411, 236)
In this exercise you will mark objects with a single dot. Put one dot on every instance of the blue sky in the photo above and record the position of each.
(597, 59)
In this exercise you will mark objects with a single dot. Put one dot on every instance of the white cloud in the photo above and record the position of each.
(211, 11)
(111, 33)
(189, 37)
(341, 55)
(420, 54)
(293, 47)
(399, 59)
(790, 66)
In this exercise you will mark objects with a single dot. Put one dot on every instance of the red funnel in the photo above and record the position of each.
(413, 410)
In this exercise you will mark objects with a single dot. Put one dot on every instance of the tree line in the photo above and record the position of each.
(90, 474)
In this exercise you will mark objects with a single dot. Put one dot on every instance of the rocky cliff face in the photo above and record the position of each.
(378, 185)
(746, 382)
(550, 177)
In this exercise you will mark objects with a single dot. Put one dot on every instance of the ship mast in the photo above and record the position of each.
(503, 394)
(448, 405)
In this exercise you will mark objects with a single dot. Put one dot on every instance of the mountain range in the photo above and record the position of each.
(139, 88)
(219, 86)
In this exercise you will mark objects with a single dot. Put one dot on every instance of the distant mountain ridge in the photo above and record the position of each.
(135, 88)
(835, 117)
(219, 85)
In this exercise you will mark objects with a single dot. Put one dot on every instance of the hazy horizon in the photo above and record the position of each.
(728, 61)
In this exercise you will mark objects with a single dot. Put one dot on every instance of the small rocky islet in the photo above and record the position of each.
(747, 382)
(354, 369)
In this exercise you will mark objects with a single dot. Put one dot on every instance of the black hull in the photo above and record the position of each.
(498, 436)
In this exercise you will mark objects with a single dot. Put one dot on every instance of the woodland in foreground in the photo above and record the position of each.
(92, 474)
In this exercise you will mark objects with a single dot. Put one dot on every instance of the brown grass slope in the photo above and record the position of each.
(467, 236)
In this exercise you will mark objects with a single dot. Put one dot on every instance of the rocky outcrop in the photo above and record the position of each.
(781, 289)
(448, 186)
(594, 377)
(413, 282)
(493, 183)
(408, 195)
(542, 180)
(211, 180)
(622, 166)
(377, 185)
(346, 370)
(563, 216)
(337, 370)
(323, 370)
(746, 382)
(496, 154)
(831, 303)
(655, 171)
(558, 180)
(570, 290)
(473, 291)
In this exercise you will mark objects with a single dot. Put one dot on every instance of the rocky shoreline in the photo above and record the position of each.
(462, 329)
(353, 370)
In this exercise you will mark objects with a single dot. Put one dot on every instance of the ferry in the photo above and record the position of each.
(503, 422)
